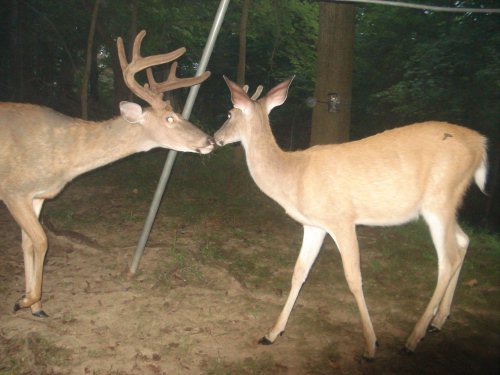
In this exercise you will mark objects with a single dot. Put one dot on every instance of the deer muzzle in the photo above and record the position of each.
(210, 144)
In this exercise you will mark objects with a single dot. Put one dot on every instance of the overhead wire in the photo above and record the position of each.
(433, 8)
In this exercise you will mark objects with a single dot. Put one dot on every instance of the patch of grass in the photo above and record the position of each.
(249, 265)
(402, 261)
(47, 353)
(261, 365)
(96, 353)
(211, 253)
(61, 213)
(3, 286)
(33, 353)
(480, 276)
(187, 346)
(110, 371)
(484, 251)
(179, 268)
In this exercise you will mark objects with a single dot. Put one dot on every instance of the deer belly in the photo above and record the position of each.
(386, 213)
(49, 189)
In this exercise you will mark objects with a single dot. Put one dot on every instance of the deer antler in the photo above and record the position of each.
(152, 92)
(257, 92)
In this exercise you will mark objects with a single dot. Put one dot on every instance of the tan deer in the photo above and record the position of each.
(387, 179)
(42, 150)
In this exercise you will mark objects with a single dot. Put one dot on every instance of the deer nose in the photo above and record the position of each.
(210, 144)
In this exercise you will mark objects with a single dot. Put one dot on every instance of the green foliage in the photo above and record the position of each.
(281, 37)
(414, 66)
(410, 65)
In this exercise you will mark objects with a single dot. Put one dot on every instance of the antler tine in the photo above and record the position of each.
(173, 82)
(152, 93)
(155, 86)
(257, 92)
(129, 70)
(152, 84)
(145, 62)
(121, 53)
(136, 49)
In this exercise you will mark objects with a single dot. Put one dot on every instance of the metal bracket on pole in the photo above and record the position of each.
(193, 92)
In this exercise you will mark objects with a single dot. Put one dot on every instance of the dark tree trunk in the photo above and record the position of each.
(333, 73)
(86, 75)
(94, 76)
(15, 81)
(240, 76)
(120, 89)
(134, 6)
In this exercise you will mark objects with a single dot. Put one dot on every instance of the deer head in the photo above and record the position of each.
(164, 127)
(248, 109)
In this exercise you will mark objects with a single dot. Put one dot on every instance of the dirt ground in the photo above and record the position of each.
(214, 277)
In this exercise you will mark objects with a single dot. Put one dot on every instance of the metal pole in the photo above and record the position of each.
(193, 92)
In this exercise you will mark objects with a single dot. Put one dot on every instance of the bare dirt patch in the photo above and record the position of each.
(213, 279)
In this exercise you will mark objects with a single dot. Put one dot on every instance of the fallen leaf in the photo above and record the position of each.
(471, 283)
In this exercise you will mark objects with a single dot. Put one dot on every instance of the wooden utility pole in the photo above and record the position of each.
(333, 73)
(240, 76)
(88, 62)
(132, 32)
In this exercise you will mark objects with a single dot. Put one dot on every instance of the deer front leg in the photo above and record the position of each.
(311, 244)
(34, 244)
(347, 243)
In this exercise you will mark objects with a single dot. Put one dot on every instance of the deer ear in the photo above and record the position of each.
(277, 95)
(239, 97)
(131, 112)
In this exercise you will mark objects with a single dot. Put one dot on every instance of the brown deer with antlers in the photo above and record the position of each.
(42, 150)
(387, 179)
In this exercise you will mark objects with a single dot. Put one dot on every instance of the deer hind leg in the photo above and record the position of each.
(444, 236)
(445, 305)
(311, 244)
(29, 272)
(347, 244)
(34, 244)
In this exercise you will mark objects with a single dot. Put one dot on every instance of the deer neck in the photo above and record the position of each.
(271, 168)
(100, 143)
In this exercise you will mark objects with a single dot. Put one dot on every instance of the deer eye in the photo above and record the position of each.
(170, 119)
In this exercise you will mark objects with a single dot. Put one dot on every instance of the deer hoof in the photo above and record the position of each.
(265, 341)
(367, 359)
(40, 314)
(17, 307)
(405, 350)
(432, 329)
